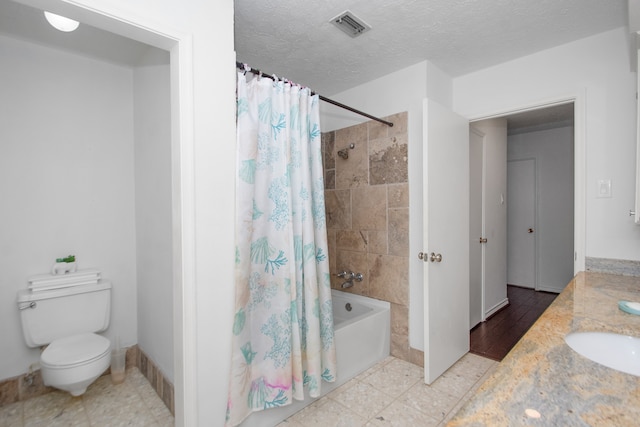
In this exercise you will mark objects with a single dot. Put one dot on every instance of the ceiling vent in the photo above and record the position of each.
(350, 24)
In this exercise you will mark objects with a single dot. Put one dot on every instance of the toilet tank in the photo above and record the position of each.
(49, 315)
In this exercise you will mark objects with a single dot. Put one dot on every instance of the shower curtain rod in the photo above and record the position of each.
(242, 66)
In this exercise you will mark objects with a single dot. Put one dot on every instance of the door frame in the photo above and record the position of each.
(579, 160)
(180, 47)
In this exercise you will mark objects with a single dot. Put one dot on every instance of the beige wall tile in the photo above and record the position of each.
(36, 388)
(330, 179)
(369, 208)
(400, 123)
(350, 135)
(388, 278)
(354, 171)
(377, 130)
(352, 261)
(9, 391)
(331, 247)
(399, 319)
(388, 160)
(400, 346)
(378, 242)
(351, 240)
(398, 195)
(132, 357)
(416, 356)
(399, 232)
(338, 208)
(328, 150)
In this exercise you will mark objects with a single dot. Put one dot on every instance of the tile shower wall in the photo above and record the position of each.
(367, 206)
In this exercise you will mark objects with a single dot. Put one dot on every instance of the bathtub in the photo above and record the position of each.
(363, 336)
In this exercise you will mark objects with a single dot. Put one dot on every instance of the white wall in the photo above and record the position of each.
(154, 244)
(597, 68)
(66, 181)
(553, 151)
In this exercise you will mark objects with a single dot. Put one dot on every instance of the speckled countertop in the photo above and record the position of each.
(541, 373)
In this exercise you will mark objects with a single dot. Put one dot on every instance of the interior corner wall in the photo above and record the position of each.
(597, 68)
(66, 181)
(439, 86)
(154, 245)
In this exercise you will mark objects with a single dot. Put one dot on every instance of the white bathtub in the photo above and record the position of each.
(363, 336)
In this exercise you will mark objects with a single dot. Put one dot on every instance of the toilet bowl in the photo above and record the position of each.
(72, 363)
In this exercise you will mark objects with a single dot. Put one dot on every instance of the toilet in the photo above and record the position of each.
(66, 320)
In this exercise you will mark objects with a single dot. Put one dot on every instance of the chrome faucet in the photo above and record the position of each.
(349, 276)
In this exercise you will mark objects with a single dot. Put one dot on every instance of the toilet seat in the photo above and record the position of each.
(75, 350)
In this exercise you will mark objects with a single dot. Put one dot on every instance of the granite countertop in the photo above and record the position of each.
(543, 382)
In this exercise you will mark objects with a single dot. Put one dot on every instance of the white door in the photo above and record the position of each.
(521, 202)
(446, 238)
(476, 243)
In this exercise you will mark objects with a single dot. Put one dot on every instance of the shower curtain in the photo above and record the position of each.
(283, 326)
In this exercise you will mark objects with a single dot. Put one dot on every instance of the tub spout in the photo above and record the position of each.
(347, 284)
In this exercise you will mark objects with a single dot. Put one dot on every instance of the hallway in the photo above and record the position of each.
(495, 337)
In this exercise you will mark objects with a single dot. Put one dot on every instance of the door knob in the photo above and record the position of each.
(483, 240)
(433, 257)
(530, 230)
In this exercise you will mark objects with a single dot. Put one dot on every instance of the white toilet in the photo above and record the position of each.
(65, 320)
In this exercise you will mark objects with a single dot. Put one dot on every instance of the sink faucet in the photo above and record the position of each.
(349, 276)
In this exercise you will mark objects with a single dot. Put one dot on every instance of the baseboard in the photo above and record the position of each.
(493, 310)
(154, 375)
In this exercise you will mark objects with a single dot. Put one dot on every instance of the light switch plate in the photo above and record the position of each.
(604, 188)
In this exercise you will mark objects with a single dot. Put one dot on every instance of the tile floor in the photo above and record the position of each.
(132, 403)
(392, 393)
(495, 337)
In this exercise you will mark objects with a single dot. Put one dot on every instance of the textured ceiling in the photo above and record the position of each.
(295, 39)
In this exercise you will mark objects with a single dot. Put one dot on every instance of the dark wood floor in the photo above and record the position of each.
(495, 337)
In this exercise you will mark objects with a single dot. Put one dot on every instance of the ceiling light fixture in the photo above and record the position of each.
(60, 22)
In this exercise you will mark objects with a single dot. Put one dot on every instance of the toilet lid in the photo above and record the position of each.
(81, 348)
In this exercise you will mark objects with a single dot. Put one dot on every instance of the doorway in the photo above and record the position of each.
(158, 129)
(539, 165)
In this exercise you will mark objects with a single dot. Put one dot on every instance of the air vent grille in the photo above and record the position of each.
(350, 24)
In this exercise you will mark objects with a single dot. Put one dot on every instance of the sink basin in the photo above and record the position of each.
(619, 352)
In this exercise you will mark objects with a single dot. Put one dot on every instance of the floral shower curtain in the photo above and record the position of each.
(283, 326)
